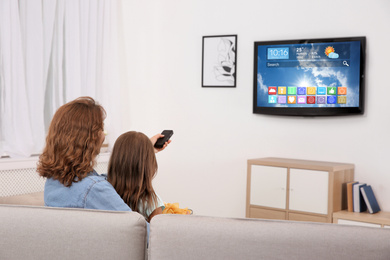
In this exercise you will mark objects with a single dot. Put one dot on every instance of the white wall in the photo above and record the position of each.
(215, 130)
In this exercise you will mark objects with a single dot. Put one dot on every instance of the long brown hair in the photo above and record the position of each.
(131, 169)
(73, 141)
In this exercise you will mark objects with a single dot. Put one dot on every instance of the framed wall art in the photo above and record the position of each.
(219, 66)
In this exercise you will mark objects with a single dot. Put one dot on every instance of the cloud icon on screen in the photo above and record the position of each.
(333, 55)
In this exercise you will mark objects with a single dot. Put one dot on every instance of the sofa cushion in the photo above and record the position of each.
(29, 232)
(198, 237)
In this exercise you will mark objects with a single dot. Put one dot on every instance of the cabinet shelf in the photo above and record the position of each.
(380, 219)
(280, 188)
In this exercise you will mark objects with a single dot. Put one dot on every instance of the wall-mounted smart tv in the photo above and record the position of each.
(309, 77)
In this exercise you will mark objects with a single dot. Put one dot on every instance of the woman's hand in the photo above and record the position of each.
(153, 139)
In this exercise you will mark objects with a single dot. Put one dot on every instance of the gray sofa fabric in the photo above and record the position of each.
(29, 232)
(198, 237)
(34, 232)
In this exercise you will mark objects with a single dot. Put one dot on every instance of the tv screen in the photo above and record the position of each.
(309, 77)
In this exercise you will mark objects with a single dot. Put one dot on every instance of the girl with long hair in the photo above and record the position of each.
(131, 169)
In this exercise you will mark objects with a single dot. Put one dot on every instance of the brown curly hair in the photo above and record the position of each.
(131, 169)
(73, 141)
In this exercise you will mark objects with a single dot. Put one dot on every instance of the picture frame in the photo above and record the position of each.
(219, 61)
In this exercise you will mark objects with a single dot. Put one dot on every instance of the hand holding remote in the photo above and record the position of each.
(161, 141)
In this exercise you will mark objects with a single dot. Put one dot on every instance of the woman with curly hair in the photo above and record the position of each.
(73, 141)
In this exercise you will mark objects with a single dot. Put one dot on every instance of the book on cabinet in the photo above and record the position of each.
(359, 205)
(350, 195)
(370, 199)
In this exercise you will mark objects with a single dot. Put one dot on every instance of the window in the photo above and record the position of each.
(52, 52)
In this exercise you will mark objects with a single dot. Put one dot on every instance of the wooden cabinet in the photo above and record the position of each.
(279, 188)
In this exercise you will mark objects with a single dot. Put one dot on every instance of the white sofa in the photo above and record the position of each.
(199, 237)
(37, 232)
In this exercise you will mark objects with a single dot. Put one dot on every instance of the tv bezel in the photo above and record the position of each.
(312, 111)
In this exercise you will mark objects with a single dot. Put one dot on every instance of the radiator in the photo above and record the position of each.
(19, 177)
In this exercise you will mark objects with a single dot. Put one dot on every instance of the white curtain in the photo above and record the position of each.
(51, 52)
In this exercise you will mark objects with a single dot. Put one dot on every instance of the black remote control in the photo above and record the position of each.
(161, 141)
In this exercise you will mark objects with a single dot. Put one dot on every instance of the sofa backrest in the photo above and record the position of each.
(198, 237)
(29, 232)
(31, 199)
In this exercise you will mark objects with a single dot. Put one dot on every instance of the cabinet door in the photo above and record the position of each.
(268, 186)
(309, 191)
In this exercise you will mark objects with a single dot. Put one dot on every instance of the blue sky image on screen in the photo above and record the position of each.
(319, 65)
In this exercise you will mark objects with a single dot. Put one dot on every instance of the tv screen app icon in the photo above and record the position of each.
(321, 90)
(342, 99)
(292, 90)
(331, 90)
(292, 100)
(342, 91)
(271, 90)
(272, 99)
(282, 99)
(321, 100)
(282, 90)
(301, 91)
(311, 99)
(311, 90)
(331, 99)
(301, 100)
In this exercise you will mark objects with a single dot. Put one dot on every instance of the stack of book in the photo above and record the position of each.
(361, 198)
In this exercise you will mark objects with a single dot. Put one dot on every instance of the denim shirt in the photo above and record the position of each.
(92, 192)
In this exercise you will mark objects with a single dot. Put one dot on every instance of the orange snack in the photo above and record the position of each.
(173, 208)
